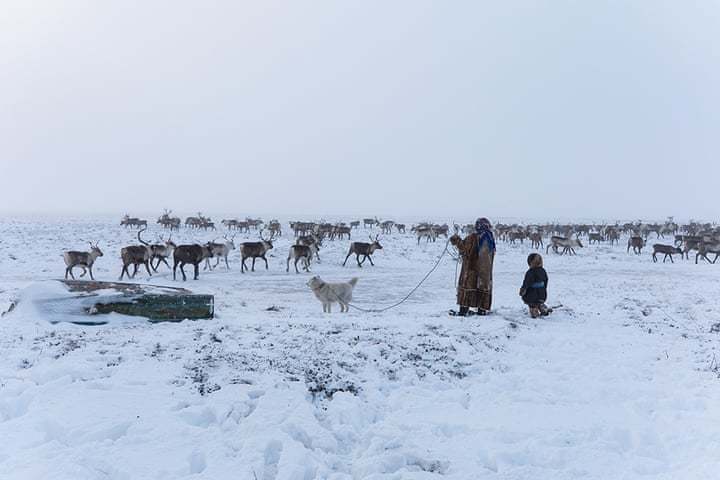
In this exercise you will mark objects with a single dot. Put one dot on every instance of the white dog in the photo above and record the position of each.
(329, 293)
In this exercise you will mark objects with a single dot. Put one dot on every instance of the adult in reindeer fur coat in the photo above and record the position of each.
(478, 253)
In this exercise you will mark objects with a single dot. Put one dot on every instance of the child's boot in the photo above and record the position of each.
(544, 310)
(534, 312)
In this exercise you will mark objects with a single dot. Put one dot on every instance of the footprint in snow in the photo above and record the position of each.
(198, 462)
(272, 458)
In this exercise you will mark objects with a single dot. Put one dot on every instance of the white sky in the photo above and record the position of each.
(502, 108)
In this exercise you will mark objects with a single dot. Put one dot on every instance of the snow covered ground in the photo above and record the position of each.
(621, 383)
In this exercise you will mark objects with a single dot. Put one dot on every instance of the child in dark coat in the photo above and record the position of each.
(534, 287)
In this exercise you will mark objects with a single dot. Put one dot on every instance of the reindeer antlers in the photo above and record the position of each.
(272, 235)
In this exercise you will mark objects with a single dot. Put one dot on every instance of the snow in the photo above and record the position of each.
(620, 383)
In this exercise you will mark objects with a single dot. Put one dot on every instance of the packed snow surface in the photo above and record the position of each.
(620, 383)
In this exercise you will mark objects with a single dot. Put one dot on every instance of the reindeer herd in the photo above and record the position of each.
(701, 238)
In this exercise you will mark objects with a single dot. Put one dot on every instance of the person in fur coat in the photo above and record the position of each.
(478, 253)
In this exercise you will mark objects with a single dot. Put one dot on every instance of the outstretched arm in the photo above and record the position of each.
(463, 245)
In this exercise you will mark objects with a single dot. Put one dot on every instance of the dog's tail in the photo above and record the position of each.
(353, 281)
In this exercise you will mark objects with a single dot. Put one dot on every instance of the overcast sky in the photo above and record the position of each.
(457, 109)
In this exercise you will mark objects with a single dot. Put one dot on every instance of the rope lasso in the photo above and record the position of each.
(404, 299)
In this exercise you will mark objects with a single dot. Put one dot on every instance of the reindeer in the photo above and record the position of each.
(708, 247)
(128, 221)
(568, 245)
(427, 232)
(255, 250)
(229, 224)
(311, 240)
(136, 255)
(691, 243)
(612, 235)
(190, 254)
(325, 230)
(386, 227)
(667, 250)
(275, 228)
(206, 223)
(254, 223)
(400, 227)
(441, 230)
(636, 243)
(173, 223)
(536, 239)
(301, 252)
(355, 224)
(341, 231)
(161, 252)
(515, 235)
(302, 228)
(364, 249)
(371, 222)
(595, 237)
(220, 250)
(193, 222)
(85, 260)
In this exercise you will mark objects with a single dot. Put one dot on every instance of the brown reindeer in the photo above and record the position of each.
(595, 237)
(371, 222)
(190, 254)
(136, 255)
(536, 239)
(364, 249)
(636, 243)
(255, 250)
(301, 252)
(708, 247)
(667, 250)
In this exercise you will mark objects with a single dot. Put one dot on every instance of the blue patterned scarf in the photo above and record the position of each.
(485, 236)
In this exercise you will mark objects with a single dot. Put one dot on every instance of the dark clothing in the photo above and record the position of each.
(534, 288)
